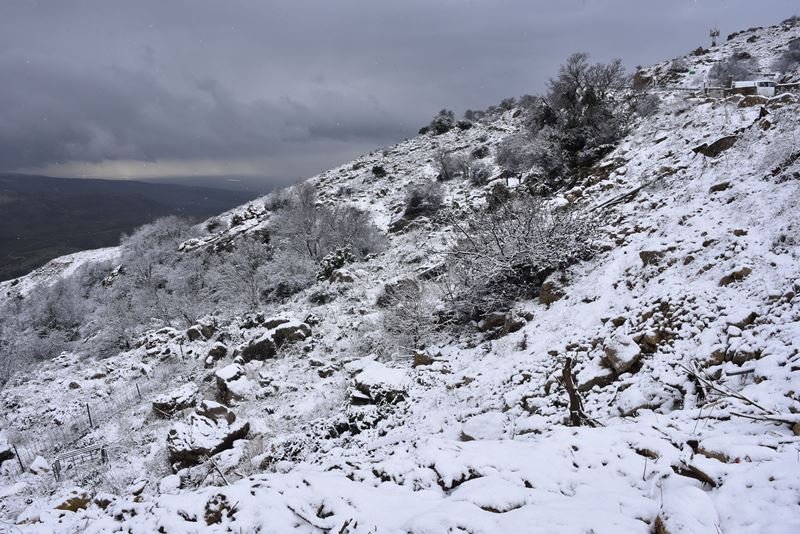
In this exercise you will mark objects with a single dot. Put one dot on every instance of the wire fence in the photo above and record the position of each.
(56, 440)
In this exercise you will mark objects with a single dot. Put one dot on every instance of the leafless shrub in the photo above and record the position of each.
(505, 254)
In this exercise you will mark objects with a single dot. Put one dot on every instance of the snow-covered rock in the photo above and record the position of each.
(178, 399)
(212, 429)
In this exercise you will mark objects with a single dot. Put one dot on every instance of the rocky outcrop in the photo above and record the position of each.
(211, 429)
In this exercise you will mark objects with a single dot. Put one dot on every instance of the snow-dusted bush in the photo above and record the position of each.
(443, 122)
(423, 198)
(647, 105)
(737, 66)
(579, 120)
(448, 164)
(477, 172)
(504, 254)
(313, 230)
(790, 58)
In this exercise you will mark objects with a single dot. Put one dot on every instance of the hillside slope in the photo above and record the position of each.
(683, 334)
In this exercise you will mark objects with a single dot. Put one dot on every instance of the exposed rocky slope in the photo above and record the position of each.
(682, 334)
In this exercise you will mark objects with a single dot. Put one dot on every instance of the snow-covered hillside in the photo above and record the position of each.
(683, 333)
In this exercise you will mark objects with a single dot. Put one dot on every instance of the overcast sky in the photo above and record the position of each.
(288, 88)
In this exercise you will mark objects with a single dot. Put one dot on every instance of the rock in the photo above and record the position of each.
(176, 400)
(137, 487)
(753, 100)
(716, 188)
(326, 372)
(103, 500)
(550, 292)
(651, 257)
(717, 147)
(261, 348)
(217, 352)
(39, 466)
(76, 499)
(379, 383)
(6, 451)
(422, 358)
(621, 353)
(593, 375)
(735, 276)
(274, 322)
(796, 429)
(312, 320)
(290, 332)
(395, 290)
(216, 411)
(342, 276)
(486, 426)
(74, 385)
(781, 100)
(492, 320)
(194, 333)
(513, 324)
(232, 383)
(687, 510)
(201, 436)
(266, 346)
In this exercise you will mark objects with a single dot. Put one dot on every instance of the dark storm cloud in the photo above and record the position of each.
(274, 80)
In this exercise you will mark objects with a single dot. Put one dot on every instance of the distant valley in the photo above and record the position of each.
(43, 217)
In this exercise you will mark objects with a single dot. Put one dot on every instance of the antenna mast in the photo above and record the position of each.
(713, 33)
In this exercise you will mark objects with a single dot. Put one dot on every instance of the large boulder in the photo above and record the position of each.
(262, 348)
(213, 428)
(169, 404)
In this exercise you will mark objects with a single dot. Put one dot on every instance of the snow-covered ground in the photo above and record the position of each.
(684, 332)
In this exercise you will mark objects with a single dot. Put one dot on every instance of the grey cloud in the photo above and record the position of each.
(92, 80)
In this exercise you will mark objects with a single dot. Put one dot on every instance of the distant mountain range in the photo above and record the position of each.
(42, 217)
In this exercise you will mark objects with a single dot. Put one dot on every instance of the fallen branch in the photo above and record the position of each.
(722, 390)
(213, 463)
(307, 520)
(691, 471)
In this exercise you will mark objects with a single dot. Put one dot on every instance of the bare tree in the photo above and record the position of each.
(410, 321)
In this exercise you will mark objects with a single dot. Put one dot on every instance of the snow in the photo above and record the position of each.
(408, 465)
